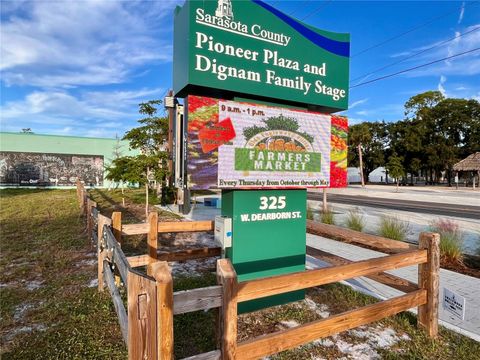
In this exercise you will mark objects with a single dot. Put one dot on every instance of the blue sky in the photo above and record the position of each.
(82, 67)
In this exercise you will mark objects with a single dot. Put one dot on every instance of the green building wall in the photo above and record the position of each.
(39, 146)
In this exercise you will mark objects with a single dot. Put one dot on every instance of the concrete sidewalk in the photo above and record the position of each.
(466, 286)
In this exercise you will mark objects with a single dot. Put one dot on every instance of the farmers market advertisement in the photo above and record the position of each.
(243, 145)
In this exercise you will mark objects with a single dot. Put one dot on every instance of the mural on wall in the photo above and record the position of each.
(40, 169)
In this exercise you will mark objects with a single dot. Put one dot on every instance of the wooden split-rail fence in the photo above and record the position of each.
(147, 321)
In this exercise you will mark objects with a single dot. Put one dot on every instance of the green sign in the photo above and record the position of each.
(269, 235)
(232, 48)
(278, 161)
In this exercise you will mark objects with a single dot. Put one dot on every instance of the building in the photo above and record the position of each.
(56, 161)
(379, 175)
(353, 175)
(471, 164)
(224, 9)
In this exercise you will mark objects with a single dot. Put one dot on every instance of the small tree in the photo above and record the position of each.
(395, 168)
(117, 153)
(151, 163)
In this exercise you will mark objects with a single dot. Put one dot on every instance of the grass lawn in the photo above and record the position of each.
(50, 308)
(49, 304)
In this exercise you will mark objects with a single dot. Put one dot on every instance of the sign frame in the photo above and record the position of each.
(252, 52)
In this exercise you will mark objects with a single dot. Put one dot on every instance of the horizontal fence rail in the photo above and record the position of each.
(212, 355)
(197, 299)
(379, 243)
(180, 255)
(287, 339)
(94, 213)
(390, 280)
(117, 300)
(117, 256)
(297, 281)
(168, 227)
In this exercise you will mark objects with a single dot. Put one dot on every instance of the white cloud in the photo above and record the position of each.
(440, 87)
(462, 12)
(356, 103)
(466, 65)
(122, 98)
(71, 43)
(465, 39)
(354, 121)
(362, 113)
(385, 112)
(89, 113)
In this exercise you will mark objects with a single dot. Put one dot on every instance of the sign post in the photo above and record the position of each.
(269, 235)
(259, 87)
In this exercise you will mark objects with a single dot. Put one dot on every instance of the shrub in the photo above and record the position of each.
(327, 217)
(309, 213)
(451, 240)
(355, 220)
(393, 228)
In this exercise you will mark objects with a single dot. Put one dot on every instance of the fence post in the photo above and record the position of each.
(93, 204)
(89, 218)
(117, 225)
(81, 197)
(85, 203)
(102, 221)
(164, 283)
(227, 278)
(117, 232)
(428, 279)
(142, 317)
(78, 189)
(152, 236)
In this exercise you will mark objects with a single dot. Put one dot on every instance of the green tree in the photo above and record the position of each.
(417, 106)
(439, 131)
(395, 168)
(407, 138)
(450, 131)
(368, 139)
(151, 163)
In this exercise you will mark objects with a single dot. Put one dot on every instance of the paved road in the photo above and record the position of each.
(463, 211)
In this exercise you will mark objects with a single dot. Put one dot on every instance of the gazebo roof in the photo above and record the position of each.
(470, 163)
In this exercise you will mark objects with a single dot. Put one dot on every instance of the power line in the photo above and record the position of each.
(414, 68)
(298, 8)
(409, 31)
(325, 3)
(415, 54)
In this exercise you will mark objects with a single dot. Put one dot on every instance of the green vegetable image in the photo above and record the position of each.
(277, 123)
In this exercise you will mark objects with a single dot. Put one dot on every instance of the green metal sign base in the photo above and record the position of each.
(269, 237)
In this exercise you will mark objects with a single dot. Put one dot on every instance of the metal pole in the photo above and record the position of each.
(171, 114)
(361, 164)
(325, 206)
